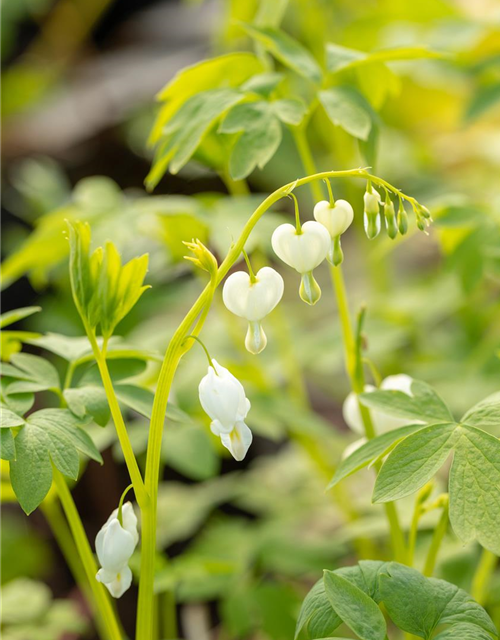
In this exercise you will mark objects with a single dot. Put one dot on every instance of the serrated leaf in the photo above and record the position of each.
(485, 414)
(370, 451)
(9, 317)
(287, 50)
(475, 488)
(424, 404)
(359, 612)
(345, 107)
(414, 461)
(47, 435)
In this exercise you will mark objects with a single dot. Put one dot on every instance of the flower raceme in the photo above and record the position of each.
(115, 544)
(303, 250)
(223, 399)
(253, 298)
(371, 212)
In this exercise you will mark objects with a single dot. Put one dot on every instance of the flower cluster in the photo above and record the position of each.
(115, 544)
(254, 296)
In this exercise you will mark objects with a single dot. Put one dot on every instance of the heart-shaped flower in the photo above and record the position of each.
(337, 218)
(303, 250)
(253, 299)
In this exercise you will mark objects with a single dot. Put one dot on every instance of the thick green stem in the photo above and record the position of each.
(437, 539)
(100, 597)
(121, 430)
(482, 577)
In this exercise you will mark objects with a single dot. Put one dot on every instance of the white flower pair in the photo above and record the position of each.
(115, 544)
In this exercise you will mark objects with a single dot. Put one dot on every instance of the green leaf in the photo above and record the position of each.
(34, 369)
(463, 631)
(346, 108)
(188, 449)
(47, 435)
(9, 317)
(414, 461)
(370, 451)
(88, 400)
(263, 84)
(290, 111)
(316, 615)
(354, 607)
(475, 488)
(339, 57)
(9, 419)
(484, 99)
(287, 50)
(7, 446)
(418, 605)
(136, 398)
(485, 414)
(260, 139)
(424, 403)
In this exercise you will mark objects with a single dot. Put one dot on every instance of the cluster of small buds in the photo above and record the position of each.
(115, 544)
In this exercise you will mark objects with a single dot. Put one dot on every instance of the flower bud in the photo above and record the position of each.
(223, 398)
(402, 220)
(336, 219)
(202, 258)
(253, 299)
(303, 251)
(390, 219)
(115, 544)
(371, 213)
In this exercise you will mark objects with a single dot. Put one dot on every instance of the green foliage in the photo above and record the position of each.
(46, 437)
(104, 291)
(415, 454)
(416, 604)
(347, 108)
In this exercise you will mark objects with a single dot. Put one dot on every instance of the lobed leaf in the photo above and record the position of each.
(359, 612)
(485, 414)
(414, 461)
(346, 108)
(371, 451)
(424, 404)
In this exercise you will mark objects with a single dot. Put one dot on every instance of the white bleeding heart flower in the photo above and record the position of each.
(336, 219)
(253, 299)
(381, 421)
(303, 252)
(223, 398)
(115, 544)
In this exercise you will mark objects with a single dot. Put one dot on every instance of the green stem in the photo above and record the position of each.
(100, 597)
(483, 575)
(175, 351)
(121, 430)
(235, 187)
(437, 539)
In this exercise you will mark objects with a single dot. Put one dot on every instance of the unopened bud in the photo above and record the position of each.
(390, 219)
(371, 213)
(202, 258)
(402, 220)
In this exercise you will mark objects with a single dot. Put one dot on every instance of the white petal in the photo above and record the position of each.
(398, 382)
(253, 301)
(130, 520)
(119, 583)
(221, 396)
(351, 413)
(336, 219)
(303, 252)
(238, 441)
(114, 546)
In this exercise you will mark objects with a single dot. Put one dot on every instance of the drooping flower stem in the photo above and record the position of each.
(175, 350)
(100, 597)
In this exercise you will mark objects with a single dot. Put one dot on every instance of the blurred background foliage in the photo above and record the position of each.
(245, 542)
